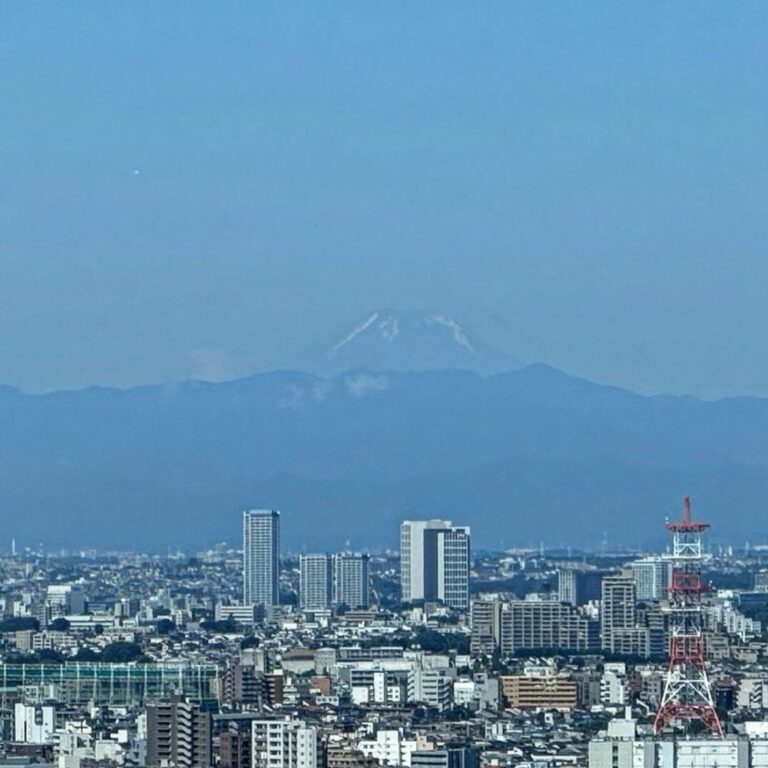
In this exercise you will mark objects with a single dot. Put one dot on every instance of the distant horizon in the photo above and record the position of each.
(363, 369)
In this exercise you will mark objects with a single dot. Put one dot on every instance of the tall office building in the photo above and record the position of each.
(178, 734)
(261, 557)
(652, 578)
(315, 582)
(351, 581)
(434, 562)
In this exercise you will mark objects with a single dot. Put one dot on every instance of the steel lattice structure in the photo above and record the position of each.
(104, 683)
(687, 693)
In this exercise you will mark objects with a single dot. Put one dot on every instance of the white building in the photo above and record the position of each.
(434, 562)
(614, 684)
(283, 743)
(261, 557)
(247, 615)
(65, 598)
(390, 747)
(33, 724)
(430, 686)
(621, 747)
(652, 576)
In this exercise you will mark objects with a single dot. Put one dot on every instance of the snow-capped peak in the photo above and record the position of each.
(401, 340)
(355, 332)
(411, 332)
(459, 335)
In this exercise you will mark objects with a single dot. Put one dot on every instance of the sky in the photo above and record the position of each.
(206, 189)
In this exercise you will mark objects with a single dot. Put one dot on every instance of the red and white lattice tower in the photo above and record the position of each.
(687, 694)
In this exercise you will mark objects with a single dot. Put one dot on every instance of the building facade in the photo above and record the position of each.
(434, 562)
(283, 743)
(178, 734)
(261, 557)
(651, 575)
(351, 581)
(617, 611)
(315, 582)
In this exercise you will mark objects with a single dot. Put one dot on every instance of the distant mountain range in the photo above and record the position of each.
(522, 456)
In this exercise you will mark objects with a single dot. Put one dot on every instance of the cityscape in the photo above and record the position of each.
(383, 384)
(433, 656)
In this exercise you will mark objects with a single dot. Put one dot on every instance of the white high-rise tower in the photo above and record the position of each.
(261, 557)
(434, 562)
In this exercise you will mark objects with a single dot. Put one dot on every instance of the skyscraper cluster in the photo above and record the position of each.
(434, 566)
(334, 581)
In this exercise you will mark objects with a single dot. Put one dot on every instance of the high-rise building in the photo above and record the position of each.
(485, 622)
(617, 610)
(261, 557)
(578, 586)
(351, 581)
(178, 734)
(651, 576)
(434, 562)
(315, 582)
(283, 743)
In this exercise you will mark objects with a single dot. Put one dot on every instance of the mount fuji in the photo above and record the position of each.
(398, 340)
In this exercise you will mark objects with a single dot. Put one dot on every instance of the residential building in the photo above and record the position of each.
(315, 582)
(283, 743)
(261, 557)
(651, 575)
(546, 691)
(617, 609)
(351, 581)
(178, 734)
(485, 623)
(545, 625)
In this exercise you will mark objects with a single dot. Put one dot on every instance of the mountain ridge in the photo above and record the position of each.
(346, 457)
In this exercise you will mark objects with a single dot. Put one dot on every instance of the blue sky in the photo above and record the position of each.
(196, 189)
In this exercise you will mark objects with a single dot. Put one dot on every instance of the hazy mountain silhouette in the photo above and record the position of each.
(522, 456)
(400, 340)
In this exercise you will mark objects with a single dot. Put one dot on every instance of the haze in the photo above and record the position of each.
(203, 190)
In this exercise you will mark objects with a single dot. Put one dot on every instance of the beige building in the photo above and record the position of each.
(538, 692)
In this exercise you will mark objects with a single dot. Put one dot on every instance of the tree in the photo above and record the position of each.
(165, 627)
(19, 624)
(60, 624)
(122, 652)
(224, 626)
(86, 654)
(49, 656)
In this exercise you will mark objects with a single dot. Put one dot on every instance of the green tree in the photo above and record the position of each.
(19, 624)
(60, 624)
(165, 627)
(122, 652)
